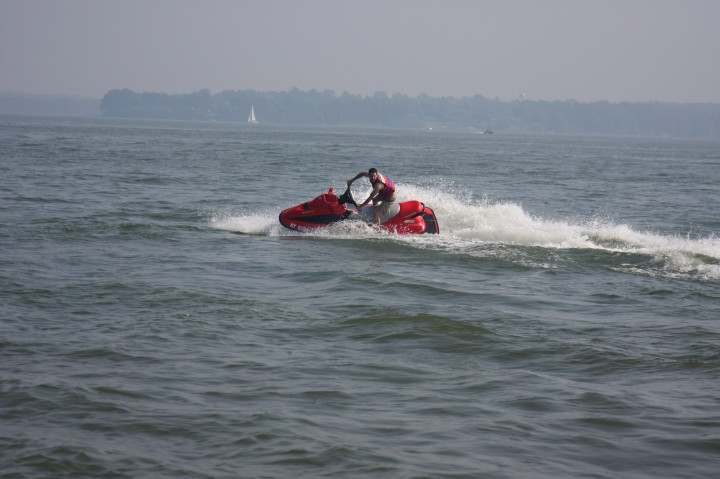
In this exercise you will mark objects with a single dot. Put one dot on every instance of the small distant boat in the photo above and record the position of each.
(251, 117)
(488, 131)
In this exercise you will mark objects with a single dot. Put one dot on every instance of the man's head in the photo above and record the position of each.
(372, 173)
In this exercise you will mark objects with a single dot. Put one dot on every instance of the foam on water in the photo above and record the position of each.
(467, 222)
(247, 223)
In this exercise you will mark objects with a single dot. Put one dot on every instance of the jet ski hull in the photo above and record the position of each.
(409, 217)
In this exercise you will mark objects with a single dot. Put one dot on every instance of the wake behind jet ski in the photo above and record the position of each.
(409, 217)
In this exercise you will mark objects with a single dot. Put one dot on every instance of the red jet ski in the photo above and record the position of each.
(408, 218)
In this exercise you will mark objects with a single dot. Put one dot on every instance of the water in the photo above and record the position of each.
(158, 322)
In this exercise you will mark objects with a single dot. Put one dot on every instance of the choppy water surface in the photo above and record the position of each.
(159, 322)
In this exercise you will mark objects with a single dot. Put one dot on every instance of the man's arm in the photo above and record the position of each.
(376, 189)
(359, 175)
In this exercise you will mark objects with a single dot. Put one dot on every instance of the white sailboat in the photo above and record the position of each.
(251, 118)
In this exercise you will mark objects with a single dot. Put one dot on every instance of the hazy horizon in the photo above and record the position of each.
(632, 50)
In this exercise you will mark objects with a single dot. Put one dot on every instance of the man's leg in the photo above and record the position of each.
(381, 210)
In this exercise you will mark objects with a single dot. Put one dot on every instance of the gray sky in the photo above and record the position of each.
(615, 50)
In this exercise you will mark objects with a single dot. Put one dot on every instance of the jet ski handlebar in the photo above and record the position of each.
(347, 197)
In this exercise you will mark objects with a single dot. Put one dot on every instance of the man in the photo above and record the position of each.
(383, 192)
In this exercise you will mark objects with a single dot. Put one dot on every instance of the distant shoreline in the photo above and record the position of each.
(479, 114)
(14, 103)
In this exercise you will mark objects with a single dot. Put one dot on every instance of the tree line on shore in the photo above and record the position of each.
(401, 111)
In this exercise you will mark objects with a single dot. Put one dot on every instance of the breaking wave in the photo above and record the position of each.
(473, 226)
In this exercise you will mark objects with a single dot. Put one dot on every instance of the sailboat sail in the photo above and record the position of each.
(252, 118)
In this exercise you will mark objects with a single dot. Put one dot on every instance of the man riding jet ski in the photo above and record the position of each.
(382, 195)
(409, 217)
